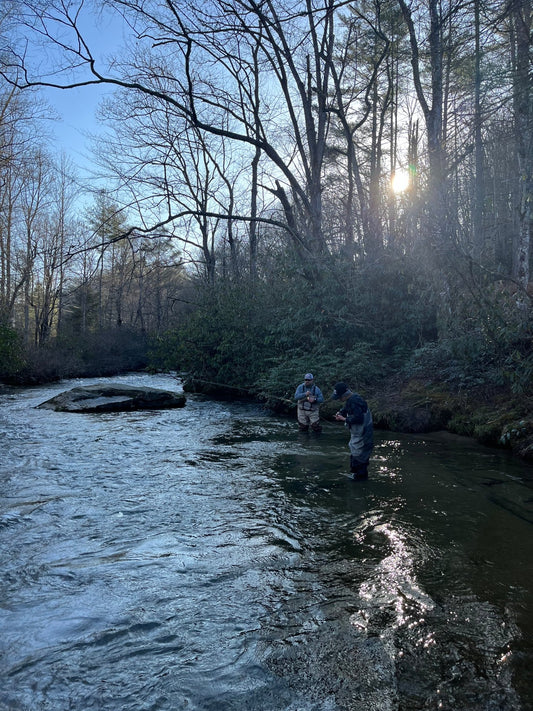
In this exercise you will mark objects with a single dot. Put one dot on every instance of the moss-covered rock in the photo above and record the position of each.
(411, 406)
(495, 418)
(518, 436)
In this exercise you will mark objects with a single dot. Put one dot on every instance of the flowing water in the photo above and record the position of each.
(213, 558)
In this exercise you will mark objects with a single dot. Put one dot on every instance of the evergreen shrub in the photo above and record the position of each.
(12, 358)
(223, 342)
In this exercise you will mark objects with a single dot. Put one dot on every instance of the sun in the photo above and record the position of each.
(400, 180)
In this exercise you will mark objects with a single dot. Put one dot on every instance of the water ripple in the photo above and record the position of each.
(211, 558)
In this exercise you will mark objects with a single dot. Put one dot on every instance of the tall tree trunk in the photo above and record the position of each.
(479, 190)
(523, 120)
(255, 162)
(253, 216)
(432, 110)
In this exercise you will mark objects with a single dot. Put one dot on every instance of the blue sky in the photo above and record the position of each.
(76, 108)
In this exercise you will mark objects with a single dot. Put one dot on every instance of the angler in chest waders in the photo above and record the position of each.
(309, 397)
(357, 417)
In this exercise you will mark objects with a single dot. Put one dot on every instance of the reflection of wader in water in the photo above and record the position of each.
(308, 413)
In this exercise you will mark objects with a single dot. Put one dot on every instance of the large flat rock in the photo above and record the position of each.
(113, 398)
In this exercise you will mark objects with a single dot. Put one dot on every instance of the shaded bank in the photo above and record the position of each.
(491, 415)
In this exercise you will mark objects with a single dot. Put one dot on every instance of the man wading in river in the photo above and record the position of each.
(358, 419)
(308, 396)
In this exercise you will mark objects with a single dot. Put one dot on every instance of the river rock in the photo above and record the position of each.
(113, 398)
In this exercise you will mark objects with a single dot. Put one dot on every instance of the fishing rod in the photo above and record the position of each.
(247, 390)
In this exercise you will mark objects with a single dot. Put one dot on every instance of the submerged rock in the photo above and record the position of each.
(113, 398)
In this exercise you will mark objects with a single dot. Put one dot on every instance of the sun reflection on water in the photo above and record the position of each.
(393, 588)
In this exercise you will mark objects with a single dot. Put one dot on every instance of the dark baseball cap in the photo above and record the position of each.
(339, 390)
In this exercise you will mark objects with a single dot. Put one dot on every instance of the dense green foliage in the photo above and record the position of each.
(364, 324)
(11, 352)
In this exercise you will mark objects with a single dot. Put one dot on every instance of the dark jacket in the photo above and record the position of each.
(359, 422)
(354, 410)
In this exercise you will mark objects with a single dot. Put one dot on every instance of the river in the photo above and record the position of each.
(214, 558)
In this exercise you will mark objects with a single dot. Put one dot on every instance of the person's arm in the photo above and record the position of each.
(301, 393)
(319, 396)
(340, 416)
(355, 411)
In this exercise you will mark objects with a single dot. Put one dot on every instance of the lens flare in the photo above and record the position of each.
(400, 181)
